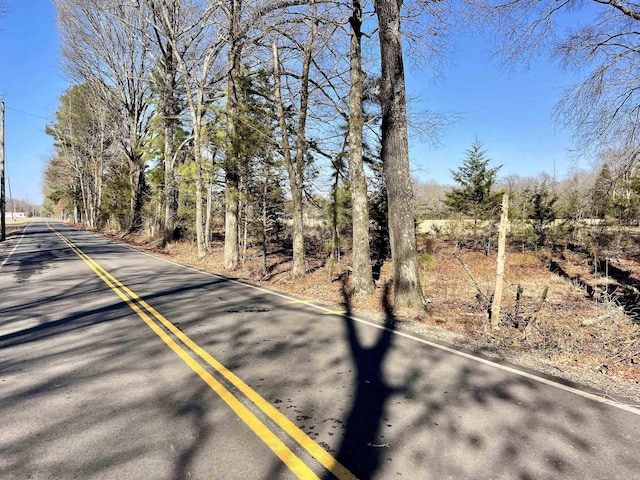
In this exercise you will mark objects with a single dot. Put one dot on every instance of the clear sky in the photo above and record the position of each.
(510, 113)
(30, 81)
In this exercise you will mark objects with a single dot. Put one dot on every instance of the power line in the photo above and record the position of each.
(27, 113)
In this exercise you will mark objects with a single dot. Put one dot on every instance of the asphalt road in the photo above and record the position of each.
(118, 365)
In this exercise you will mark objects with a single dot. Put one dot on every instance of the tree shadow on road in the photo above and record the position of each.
(194, 409)
(362, 445)
(461, 419)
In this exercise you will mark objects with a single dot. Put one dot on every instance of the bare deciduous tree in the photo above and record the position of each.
(407, 288)
(362, 281)
(604, 108)
(166, 81)
(295, 162)
(99, 48)
(84, 134)
(236, 41)
(197, 44)
(245, 25)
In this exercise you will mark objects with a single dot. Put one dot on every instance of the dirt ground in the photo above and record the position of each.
(574, 333)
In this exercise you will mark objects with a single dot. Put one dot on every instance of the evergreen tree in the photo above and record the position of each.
(542, 210)
(626, 203)
(601, 193)
(261, 198)
(379, 214)
(474, 196)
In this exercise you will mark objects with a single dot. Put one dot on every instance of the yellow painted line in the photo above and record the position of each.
(293, 302)
(315, 450)
(334, 312)
(297, 466)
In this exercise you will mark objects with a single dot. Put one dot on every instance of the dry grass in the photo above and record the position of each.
(572, 330)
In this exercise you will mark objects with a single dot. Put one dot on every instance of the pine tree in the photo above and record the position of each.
(542, 210)
(474, 196)
(625, 204)
(601, 193)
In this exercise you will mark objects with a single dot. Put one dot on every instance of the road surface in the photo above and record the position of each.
(118, 365)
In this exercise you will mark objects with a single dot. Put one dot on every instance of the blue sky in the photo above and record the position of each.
(510, 113)
(30, 81)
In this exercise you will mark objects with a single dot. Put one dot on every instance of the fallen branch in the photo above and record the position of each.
(475, 283)
(527, 329)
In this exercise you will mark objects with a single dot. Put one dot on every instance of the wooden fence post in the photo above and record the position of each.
(502, 242)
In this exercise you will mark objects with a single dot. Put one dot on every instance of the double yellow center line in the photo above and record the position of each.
(154, 319)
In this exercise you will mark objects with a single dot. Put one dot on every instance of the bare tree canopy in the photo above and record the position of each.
(100, 48)
(603, 40)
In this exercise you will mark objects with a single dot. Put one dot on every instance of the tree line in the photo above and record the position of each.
(541, 207)
(242, 118)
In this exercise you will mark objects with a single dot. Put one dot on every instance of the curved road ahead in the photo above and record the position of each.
(118, 365)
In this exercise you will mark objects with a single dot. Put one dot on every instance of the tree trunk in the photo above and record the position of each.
(294, 170)
(98, 199)
(136, 176)
(297, 183)
(136, 173)
(232, 167)
(362, 280)
(92, 190)
(99, 168)
(334, 257)
(297, 269)
(197, 154)
(207, 222)
(85, 200)
(264, 229)
(170, 113)
(231, 213)
(245, 233)
(408, 296)
(76, 212)
(170, 190)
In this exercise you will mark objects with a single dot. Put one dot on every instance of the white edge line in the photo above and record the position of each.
(590, 396)
(16, 245)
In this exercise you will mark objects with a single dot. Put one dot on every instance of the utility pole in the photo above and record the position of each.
(3, 227)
